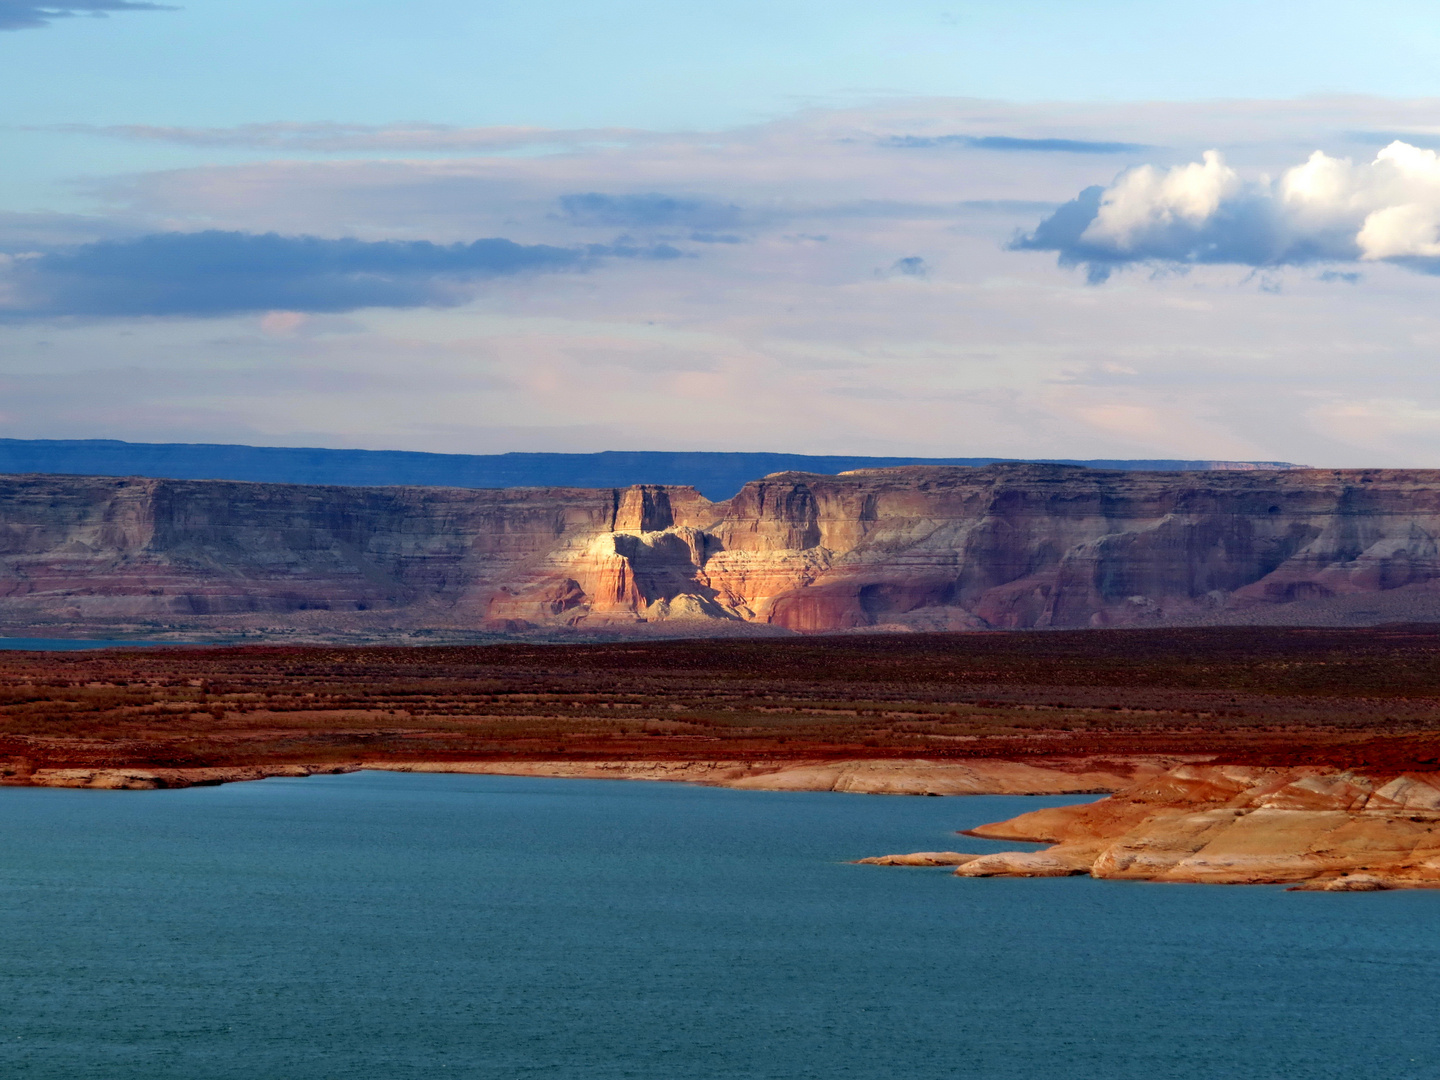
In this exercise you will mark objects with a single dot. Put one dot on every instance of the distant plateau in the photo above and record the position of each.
(907, 548)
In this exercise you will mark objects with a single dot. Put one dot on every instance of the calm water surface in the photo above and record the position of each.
(40, 644)
(395, 926)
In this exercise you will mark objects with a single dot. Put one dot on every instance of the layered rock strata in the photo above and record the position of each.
(1238, 825)
(1000, 547)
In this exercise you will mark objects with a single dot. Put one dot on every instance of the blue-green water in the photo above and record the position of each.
(395, 926)
(38, 644)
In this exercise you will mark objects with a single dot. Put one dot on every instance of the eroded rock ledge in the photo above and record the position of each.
(1225, 824)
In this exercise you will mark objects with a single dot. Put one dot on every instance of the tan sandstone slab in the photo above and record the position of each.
(1055, 862)
(920, 858)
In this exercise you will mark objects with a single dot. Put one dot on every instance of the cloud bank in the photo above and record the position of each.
(1327, 210)
(26, 15)
(220, 273)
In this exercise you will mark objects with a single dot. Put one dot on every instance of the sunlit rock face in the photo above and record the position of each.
(919, 548)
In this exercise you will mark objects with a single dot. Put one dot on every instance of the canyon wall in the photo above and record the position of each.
(999, 547)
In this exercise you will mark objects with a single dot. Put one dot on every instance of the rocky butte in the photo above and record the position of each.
(911, 548)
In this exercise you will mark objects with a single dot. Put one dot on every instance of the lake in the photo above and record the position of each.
(33, 644)
(381, 925)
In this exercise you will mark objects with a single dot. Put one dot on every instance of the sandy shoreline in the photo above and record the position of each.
(871, 777)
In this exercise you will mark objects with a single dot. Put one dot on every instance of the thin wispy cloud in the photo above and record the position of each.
(324, 137)
(651, 210)
(1326, 210)
(221, 273)
(911, 266)
(1011, 143)
(1429, 140)
(24, 15)
(28, 232)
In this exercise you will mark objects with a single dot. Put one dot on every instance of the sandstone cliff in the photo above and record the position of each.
(1002, 547)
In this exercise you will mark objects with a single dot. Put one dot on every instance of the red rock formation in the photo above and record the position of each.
(1009, 546)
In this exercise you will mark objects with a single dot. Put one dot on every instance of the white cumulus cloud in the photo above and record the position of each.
(1147, 200)
(1329, 209)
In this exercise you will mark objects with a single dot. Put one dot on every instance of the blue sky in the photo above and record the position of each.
(651, 63)
(827, 227)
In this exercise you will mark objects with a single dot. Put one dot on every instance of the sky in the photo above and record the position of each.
(1041, 228)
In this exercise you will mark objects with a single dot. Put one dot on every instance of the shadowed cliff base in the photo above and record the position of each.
(911, 549)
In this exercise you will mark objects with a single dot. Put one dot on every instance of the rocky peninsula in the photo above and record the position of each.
(1307, 827)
